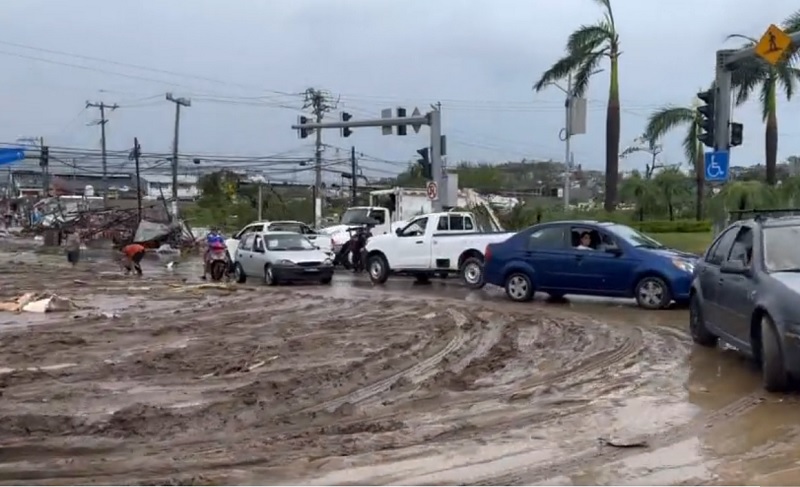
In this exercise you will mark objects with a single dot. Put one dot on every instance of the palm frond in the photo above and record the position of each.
(609, 12)
(692, 147)
(580, 82)
(666, 119)
(560, 70)
(753, 41)
(788, 76)
(747, 74)
(588, 38)
(792, 23)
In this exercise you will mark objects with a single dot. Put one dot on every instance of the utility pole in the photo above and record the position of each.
(44, 162)
(567, 137)
(317, 102)
(137, 152)
(260, 198)
(102, 122)
(354, 174)
(179, 102)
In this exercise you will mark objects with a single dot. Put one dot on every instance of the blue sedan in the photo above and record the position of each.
(589, 258)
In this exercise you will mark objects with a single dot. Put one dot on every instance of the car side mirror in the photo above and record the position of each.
(398, 232)
(615, 251)
(734, 267)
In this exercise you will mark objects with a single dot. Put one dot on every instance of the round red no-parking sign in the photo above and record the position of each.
(433, 190)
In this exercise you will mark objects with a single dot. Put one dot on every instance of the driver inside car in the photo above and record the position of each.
(585, 242)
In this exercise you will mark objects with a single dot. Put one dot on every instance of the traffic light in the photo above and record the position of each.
(346, 131)
(304, 132)
(705, 114)
(401, 129)
(44, 157)
(425, 163)
(737, 134)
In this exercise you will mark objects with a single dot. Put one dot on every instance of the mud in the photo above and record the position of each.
(165, 383)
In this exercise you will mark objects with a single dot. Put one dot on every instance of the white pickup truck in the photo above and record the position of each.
(432, 244)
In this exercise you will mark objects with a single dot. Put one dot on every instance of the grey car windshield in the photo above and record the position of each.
(780, 249)
(633, 237)
(288, 242)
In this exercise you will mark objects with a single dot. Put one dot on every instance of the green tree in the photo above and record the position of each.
(669, 118)
(639, 191)
(671, 186)
(753, 74)
(586, 49)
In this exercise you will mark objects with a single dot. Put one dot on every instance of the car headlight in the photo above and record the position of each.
(285, 262)
(684, 265)
(327, 262)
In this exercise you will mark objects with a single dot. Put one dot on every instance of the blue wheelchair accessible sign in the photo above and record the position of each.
(717, 166)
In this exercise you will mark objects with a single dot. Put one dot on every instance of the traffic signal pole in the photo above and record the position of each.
(725, 64)
(432, 119)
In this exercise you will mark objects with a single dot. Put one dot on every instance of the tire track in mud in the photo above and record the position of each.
(410, 373)
(605, 455)
(632, 344)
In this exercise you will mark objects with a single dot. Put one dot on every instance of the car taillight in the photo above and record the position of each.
(487, 254)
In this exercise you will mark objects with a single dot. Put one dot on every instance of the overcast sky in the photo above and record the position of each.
(234, 59)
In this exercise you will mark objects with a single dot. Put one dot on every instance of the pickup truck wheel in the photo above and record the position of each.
(519, 287)
(378, 269)
(774, 374)
(472, 273)
(697, 324)
(652, 293)
(238, 274)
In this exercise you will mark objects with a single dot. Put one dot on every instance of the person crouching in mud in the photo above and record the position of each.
(131, 258)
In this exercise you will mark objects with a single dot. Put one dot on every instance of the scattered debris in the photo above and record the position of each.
(39, 303)
(623, 442)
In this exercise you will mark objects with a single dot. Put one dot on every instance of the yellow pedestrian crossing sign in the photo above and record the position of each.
(773, 45)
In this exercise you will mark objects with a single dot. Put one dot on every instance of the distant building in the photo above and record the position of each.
(29, 183)
(158, 186)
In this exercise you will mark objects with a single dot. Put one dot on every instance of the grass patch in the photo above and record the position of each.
(696, 242)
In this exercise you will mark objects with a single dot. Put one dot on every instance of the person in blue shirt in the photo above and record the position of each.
(214, 240)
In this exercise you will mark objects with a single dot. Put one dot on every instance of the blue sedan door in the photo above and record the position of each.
(602, 272)
(550, 257)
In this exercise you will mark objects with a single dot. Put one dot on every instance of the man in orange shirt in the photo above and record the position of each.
(132, 255)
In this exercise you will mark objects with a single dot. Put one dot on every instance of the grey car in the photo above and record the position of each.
(281, 257)
(746, 292)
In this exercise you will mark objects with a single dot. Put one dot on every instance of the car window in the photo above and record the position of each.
(308, 230)
(779, 247)
(415, 228)
(577, 238)
(247, 242)
(547, 238)
(258, 244)
(288, 242)
(468, 223)
(379, 216)
(285, 227)
(720, 249)
(742, 248)
(443, 225)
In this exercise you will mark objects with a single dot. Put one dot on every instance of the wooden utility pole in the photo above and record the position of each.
(354, 174)
(179, 102)
(102, 122)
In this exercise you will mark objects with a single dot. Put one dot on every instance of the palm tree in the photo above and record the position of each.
(640, 191)
(670, 117)
(754, 73)
(586, 49)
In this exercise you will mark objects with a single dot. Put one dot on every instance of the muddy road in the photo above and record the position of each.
(160, 381)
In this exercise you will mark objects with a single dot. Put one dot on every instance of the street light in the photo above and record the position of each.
(564, 134)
